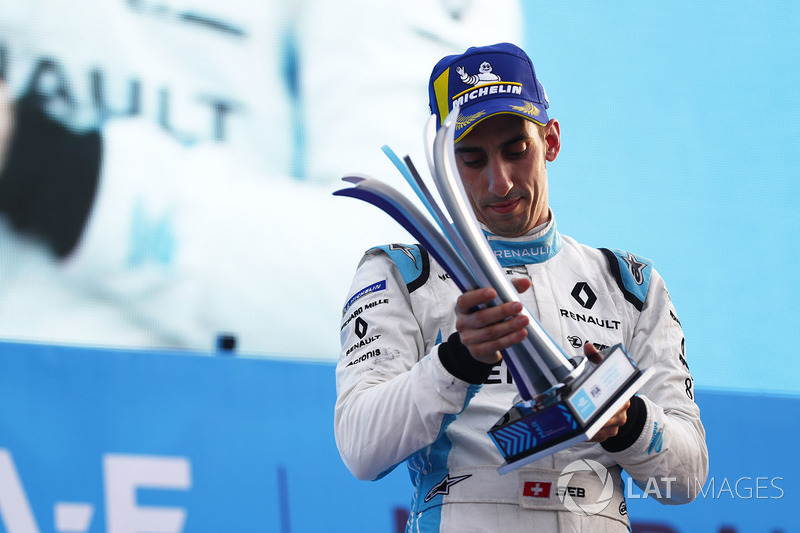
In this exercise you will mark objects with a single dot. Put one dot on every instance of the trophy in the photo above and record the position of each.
(564, 400)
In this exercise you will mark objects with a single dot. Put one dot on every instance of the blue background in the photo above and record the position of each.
(680, 142)
(258, 434)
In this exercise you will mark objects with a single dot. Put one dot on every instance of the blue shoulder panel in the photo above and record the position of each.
(632, 273)
(413, 263)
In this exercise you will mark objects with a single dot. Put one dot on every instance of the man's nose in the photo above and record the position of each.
(500, 182)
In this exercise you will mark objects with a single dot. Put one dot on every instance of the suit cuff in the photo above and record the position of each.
(457, 360)
(631, 430)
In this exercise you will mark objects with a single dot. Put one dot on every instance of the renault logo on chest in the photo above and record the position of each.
(584, 295)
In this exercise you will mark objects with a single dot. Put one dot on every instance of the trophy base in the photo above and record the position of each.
(568, 413)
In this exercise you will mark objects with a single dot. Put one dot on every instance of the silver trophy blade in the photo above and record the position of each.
(428, 136)
(542, 351)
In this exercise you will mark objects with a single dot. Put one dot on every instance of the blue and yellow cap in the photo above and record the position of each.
(486, 81)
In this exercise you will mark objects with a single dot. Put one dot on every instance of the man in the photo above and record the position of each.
(419, 381)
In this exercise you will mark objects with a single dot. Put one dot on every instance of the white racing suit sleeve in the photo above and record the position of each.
(393, 392)
(669, 458)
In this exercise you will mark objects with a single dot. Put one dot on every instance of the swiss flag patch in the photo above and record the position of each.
(536, 489)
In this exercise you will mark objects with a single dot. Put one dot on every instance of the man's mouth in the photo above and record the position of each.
(503, 208)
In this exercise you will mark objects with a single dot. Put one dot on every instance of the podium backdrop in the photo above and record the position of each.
(116, 441)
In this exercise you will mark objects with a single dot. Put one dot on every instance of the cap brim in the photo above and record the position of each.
(470, 116)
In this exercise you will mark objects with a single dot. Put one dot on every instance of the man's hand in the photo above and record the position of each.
(487, 331)
(611, 428)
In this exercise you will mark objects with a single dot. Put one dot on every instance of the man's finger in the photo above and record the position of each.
(521, 284)
(590, 351)
(493, 330)
(471, 299)
(489, 351)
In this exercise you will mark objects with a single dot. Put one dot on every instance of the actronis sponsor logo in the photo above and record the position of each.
(368, 355)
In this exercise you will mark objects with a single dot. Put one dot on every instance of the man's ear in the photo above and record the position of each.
(552, 139)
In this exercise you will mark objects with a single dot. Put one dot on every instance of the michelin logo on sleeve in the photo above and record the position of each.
(375, 287)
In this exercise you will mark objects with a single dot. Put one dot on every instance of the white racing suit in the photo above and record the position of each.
(405, 395)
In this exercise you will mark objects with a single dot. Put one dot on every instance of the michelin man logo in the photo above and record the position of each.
(586, 508)
(484, 75)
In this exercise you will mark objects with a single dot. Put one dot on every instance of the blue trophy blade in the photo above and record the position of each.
(452, 249)
(407, 215)
(401, 166)
(417, 184)
(439, 215)
(393, 211)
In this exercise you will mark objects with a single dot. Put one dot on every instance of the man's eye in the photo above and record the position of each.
(472, 161)
(517, 150)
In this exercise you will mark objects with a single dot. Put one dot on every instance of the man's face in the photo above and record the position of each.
(502, 165)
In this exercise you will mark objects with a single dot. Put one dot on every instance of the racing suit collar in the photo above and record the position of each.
(541, 244)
